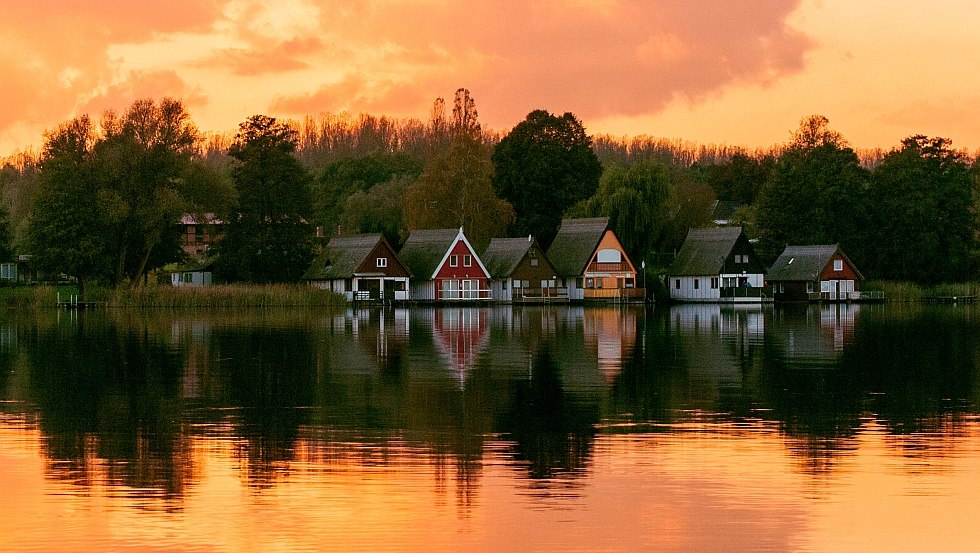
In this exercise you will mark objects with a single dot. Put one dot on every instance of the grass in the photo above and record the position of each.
(167, 297)
(904, 292)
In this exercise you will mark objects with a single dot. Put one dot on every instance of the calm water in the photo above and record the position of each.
(695, 428)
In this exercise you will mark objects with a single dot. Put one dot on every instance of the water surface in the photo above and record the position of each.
(689, 428)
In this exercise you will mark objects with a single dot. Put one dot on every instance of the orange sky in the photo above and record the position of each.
(741, 73)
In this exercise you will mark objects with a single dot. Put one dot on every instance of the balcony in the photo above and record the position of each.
(744, 292)
(620, 267)
(465, 295)
(615, 294)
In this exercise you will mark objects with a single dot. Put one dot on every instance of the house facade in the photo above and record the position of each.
(814, 273)
(363, 267)
(198, 233)
(445, 267)
(520, 272)
(591, 263)
(717, 265)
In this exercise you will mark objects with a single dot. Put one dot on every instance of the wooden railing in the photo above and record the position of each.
(465, 295)
(534, 293)
(599, 267)
(614, 293)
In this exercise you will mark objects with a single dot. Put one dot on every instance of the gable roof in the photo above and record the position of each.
(426, 250)
(724, 209)
(504, 254)
(704, 251)
(804, 263)
(342, 256)
(575, 243)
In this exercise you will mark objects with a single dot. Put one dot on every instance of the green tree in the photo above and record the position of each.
(740, 178)
(455, 188)
(636, 200)
(544, 166)
(378, 210)
(67, 230)
(815, 194)
(140, 164)
(923, 213)
(269, 238)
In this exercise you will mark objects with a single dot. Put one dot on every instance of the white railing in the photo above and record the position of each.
(465, 295)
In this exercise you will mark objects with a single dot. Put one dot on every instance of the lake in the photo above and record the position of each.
(686, 428)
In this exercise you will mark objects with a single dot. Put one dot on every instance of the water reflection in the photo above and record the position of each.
(152, 407)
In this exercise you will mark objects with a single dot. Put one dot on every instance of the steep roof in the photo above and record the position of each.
(704, 251)
(575, 243)
(425, 249)
(804, 263)
(342, 256)
(724, 209)
(504, 254)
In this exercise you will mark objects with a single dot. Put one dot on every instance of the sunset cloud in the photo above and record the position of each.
(697, 69)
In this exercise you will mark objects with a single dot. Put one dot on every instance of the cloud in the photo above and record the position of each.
(608, 59)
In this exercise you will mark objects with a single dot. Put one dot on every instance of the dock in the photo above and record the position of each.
(949, 299)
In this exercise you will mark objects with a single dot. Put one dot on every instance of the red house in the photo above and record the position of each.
(444, 267)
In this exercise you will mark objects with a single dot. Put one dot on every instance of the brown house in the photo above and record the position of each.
(520, 272)
(198, 233)
(803, 273)
(591, 262)
(363, 267)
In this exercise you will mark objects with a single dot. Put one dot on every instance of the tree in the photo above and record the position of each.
(455, 188)
(544, 166)
(140, 164)
(269, 238)
(67, 230)
(636, 200)
(923, 218)
(378, 210)
(740, 178)
(815, 194)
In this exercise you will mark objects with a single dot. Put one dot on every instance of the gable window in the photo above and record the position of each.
(454, 261)
(609, 255)
(838, 264)
(534, 262)
(467, 260)
(381, 262)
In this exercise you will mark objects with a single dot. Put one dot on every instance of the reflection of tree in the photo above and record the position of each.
(270, 375)
(111, 394)
(553, 430)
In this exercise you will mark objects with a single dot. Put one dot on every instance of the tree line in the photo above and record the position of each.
(101, 200)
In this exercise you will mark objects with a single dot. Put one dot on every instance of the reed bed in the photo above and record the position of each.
(221, 297)
(907, 292)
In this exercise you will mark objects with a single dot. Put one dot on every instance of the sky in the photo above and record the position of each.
(740, 73)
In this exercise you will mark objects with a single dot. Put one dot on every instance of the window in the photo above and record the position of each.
(677, 283)
(609, 256)
(714, 283)
(697, 283)
(198, 234)
(781, 289)
(838, 264)
(534, 262)
(517, 284)
(187, 277)
(544, 284)
(809, 287)
(453, 261)
(381, 262)
(467, 260)
(590, 283)
(527, 283)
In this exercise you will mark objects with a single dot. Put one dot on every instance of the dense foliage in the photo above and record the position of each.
(100, 200)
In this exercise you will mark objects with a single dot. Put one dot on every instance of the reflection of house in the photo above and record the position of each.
(813, 272)
(816, 336)
(192, 274)
(199, 232)
(520, 272)
(461, 334)
(591, 261)
(361, 267)
(716, 264)
(444, 267)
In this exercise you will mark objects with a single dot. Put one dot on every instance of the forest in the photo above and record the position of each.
(100, 201)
